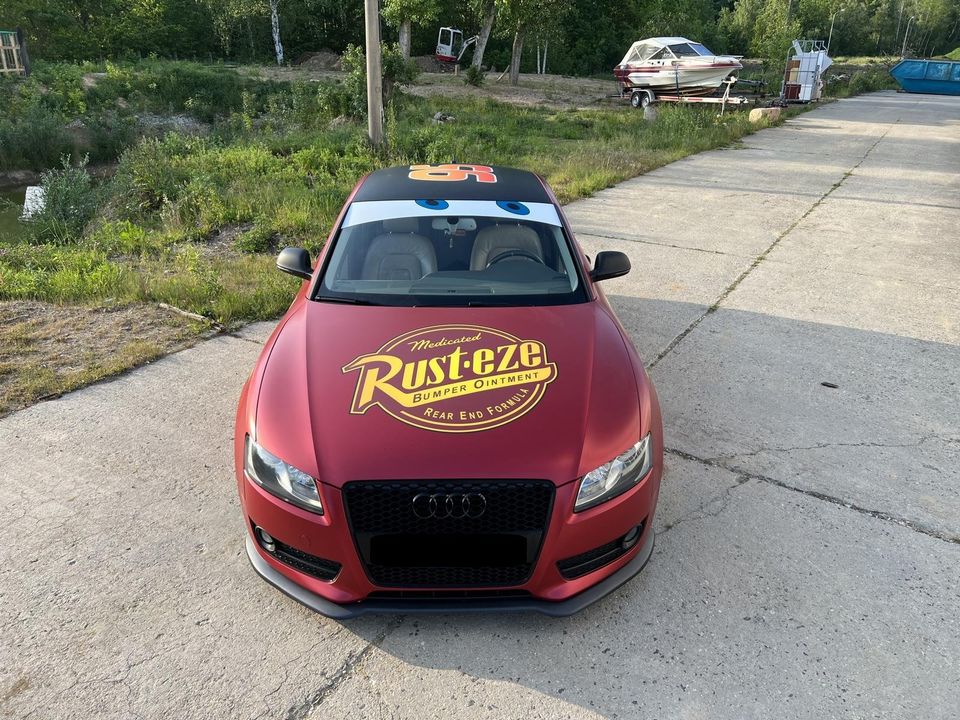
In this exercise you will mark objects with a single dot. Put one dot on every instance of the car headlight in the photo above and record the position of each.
(615, 477)
(281, 479)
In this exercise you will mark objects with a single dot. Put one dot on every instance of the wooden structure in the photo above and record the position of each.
(13, 53)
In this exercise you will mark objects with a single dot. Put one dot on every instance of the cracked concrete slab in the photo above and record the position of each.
(801, 568)
(849, 236)
(127, 592)
(762, 603)
(746, 390)
(858, 294)
(736, 213)
(668, 288)
(822, 292)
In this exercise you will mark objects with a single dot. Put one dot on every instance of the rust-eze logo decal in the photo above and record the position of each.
(453, 378)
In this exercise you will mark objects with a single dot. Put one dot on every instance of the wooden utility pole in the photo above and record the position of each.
(374, 74)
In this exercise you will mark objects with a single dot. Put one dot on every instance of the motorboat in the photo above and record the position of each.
(674, 64)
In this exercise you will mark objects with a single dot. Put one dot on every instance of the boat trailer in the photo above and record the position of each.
(644, 97)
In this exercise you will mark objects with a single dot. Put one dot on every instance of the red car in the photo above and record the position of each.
(449, 416)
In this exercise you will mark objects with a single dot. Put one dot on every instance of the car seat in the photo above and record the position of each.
(399, 253)
(500, 238)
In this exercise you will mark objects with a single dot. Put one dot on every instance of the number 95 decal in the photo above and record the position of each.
(452, 173)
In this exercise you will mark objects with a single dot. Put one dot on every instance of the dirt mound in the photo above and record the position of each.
(429, 64)
(319, 60)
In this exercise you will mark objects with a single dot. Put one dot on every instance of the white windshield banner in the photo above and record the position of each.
(377, 210)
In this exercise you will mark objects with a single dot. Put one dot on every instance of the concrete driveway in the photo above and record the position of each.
(797, 299)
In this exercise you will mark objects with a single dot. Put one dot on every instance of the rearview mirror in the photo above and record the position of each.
(610, 264)
(295, 261)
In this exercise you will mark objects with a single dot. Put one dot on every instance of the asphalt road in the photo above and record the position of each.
(808, 553)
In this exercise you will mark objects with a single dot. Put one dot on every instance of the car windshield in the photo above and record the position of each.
(456, 253)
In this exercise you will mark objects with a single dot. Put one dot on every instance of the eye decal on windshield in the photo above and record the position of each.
(511, 206)
(433, 204)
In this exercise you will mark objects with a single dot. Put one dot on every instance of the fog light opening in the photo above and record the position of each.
(630, 539)
(266, 541)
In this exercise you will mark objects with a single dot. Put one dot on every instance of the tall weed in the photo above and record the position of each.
(70, 202)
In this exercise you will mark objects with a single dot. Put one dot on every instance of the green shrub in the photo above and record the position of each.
(150, 173)
(869, 79)
(160, 86)
(111, 134)
(35, 141)
(473, 76)
(70, 202)
(333, 100)
(62, 87)
(395, 70)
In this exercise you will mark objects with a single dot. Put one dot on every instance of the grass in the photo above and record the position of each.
(46, 350)
(195, 221)
(159, 223)
(100, 109)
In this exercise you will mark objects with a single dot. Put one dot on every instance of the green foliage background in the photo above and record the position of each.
(592, 36)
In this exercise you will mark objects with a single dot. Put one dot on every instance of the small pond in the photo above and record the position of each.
(11, 201)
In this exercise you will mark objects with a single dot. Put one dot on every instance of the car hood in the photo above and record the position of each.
(364, 393)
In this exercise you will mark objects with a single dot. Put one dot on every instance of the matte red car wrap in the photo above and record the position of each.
(352, 394)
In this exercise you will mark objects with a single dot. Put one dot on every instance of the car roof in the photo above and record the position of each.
(465, 182)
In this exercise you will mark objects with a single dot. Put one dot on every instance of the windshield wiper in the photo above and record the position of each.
(345, 300)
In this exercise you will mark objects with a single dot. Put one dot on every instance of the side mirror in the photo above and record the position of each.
(610, 264)
(296, 262)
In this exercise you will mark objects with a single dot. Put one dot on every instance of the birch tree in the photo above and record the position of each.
(275, 26)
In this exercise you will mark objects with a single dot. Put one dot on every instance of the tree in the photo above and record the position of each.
(488, 11)
(760, 27)
(275, 26)
(519, 16)
(401, 14)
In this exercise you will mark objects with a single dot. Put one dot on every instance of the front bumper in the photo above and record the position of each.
(547, 590)
(561, 608)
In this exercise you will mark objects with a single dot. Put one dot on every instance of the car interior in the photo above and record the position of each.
(410, 249)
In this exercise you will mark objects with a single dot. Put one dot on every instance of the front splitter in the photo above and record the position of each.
(561, 608)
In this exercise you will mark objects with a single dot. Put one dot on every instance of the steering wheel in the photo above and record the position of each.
(525, 254)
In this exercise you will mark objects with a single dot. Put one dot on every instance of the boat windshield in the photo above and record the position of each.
(451, 253)
(690, 50)
(639, 52)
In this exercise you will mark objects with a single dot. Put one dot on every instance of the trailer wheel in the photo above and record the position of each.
(640, 98)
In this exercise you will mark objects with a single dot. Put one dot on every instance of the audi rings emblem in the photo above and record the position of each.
(454, 506)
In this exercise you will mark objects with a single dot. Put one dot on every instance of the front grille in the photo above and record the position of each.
(498, 548)
(317, 567)
(579, 565)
